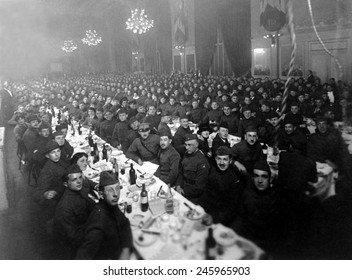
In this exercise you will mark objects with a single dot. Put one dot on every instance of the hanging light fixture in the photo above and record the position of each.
(69, 46)
(139, 22)
(92, 38)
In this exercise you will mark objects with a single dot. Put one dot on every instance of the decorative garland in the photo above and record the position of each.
(291, 30)
(339, 66)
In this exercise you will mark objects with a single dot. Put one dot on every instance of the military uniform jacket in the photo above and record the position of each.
(30, 138)
(146, 150)
(107, 232)
(193, 175)
(169, 161)
(247, 154)
(222, 195)
(163, 127)
(218, 142)
(66, 151)
(107, 130)
(50, 178)
(197, 115)
(71, 214)
(179, 139)
(131, 136)
(119, 135)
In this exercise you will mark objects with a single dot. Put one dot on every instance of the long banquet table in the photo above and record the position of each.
(156, 234)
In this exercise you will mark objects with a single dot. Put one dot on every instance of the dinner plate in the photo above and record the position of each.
(247, 249)
(194, 215)
(136, 219)
(92, 174)
(145, 239)
(224, 236)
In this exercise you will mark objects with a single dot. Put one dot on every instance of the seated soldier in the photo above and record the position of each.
(20, 127)
(107, 233)
(72, 211)
(31, 136)
(66, 148)
(132, 133)
(119, 136)
(180, 134)
(220, 138)
(289, 134)
(203, 137)
(44, 137)
(144, 148)
(49, 187)
(169, 159)
(247, 152)
(259, 215)
(224, 189)
(194, 171)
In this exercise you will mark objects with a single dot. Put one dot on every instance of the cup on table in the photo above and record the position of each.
(176, 207)
(135, 197)
(152, 195)
(122, 206)
(129, 207)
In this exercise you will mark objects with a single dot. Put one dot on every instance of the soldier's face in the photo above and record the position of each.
(108, 116)
(144, 134)
(165, 142)
(34, 124)
(251, 138)
(45, 132)
(289, 128)
(111, 194)
(261, 179)
(75, 181)
(60, 139)
(223, 132)
(191, 146)
(134, 125)
(223, 162)
(122, 117)
(322, 126)
(54, 155)
(184, 123)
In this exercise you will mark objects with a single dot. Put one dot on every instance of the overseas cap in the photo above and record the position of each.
(106, 179)
(51, 145)
(189, 137)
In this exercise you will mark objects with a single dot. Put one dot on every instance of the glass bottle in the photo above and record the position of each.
(169, 203)
(115, 169)
(79, 128)
(144, 199)
(132, 175)
(210, 246)
(105, 153)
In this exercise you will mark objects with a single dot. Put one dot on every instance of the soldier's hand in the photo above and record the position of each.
(50, 194)
(140, 162)
(179, 190)
(241, 167)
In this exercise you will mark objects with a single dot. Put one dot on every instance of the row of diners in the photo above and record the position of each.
(298, 208)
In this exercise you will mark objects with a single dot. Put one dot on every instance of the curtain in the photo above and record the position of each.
(159, 38)
(235, 24)
(205, 20)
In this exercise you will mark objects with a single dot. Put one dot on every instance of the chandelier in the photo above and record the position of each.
(139, 22)
(92, 38)
(68, 46)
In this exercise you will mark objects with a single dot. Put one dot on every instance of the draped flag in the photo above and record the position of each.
(272, 14)
(180, 24)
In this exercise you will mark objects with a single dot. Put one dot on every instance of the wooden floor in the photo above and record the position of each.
(22, 235)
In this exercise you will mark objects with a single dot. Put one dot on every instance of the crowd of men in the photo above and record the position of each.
(288, 215)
